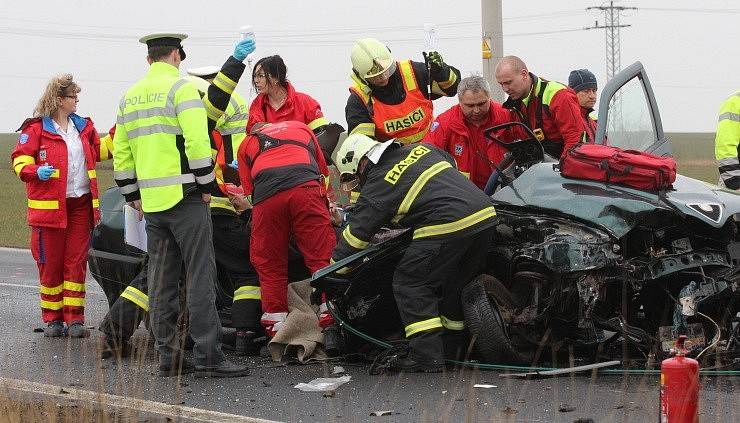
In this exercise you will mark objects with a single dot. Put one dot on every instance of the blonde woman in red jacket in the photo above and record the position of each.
(55, 156)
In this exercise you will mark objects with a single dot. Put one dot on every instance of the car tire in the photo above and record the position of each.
(487, 329)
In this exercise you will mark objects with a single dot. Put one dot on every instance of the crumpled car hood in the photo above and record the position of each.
(615, 208)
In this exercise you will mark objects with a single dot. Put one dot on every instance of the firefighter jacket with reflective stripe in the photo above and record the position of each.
(415, 186)
(161, 146)
(465, 142)
(727, 142)
(551, 110)
(279, 156)
(40, 144)
(298, 106)
(402, 108)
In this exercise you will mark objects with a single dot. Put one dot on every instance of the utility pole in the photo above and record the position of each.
(492, 43)
(612, 30)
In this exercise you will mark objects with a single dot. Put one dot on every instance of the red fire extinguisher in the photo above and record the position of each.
(679, 387)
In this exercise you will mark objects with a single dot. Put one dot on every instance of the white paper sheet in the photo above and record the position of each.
(134, 230)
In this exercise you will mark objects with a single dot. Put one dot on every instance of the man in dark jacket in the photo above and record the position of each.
(583, 82)
(418, 187)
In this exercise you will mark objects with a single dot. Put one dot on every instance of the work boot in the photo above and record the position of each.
(54, 329)
(112, 348)
(172, 368)
(225, 369)
(77, 330)
(244, 343)
(409, 365)
(333, 341)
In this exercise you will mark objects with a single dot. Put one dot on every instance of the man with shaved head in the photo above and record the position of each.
(549, 108)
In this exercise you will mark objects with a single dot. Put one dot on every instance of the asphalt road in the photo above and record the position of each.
(268, 392)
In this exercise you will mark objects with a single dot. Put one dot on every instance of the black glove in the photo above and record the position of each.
(437, 66)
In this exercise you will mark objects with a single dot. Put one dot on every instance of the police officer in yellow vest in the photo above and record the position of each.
(727, 142)
(162, 164)
(392, 99)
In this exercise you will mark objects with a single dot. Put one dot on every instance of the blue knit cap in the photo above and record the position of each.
(581, 79)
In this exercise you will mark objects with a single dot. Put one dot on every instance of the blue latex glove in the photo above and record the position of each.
(234, 165)
(44, 172)
(243, 48)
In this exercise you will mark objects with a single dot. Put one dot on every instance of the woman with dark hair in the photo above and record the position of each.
(278, 101)
(55, 156)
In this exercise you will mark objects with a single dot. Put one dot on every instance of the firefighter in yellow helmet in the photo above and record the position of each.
(392, 99)
(417, 187)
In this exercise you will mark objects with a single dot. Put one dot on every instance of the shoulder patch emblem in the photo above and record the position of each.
(435, 125)
(23, 139)
(458, 149)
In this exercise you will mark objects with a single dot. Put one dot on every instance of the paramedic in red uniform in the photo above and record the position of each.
(281, 168)
(278, 101)
(55, 156)
(459, 130)
(548, 108)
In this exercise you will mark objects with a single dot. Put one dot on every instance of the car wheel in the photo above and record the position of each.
(487, 329)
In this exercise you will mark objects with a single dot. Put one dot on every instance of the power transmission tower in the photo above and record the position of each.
(612, 30)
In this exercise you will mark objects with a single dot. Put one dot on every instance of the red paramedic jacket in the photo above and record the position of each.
(297, 106)
(40, 144)
(279, 156)
(466, 143)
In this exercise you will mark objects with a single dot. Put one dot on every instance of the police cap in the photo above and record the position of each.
(205, 72)
(165, 40)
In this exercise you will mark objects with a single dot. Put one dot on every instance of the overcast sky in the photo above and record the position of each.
(689, 48)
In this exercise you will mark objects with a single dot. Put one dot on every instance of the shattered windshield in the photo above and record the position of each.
(629, 123)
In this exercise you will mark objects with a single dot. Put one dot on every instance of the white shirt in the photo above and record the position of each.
(78, 183)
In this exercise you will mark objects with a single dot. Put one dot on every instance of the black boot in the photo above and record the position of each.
(333, 341)
(112, 348)
(410, 365)
(244, 343)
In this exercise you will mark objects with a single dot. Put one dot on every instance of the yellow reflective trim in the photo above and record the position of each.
(367, 128)
(51, 305)
(74, 286)
(137, 297)
(457, 225)
(465, 174)
(416, 187)
(21, 161)
(399, 168)
(353, 197)
(55, 173)
(43, 204)
(410, 139)
(224, 83)
(222, 203)
(96, 203)
(318, 122)
(213, 112)
(73, 302)
(353, 240)
(247, 293)
(51, 290)
(452, 324)
(91, 174)
(360, 88)
(429, 324)
(106, 147)
(450, 81)
(408, 74)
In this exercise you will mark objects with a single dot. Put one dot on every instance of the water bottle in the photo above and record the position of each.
(247, 32)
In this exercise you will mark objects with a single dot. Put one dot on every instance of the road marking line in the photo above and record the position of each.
(104, 401)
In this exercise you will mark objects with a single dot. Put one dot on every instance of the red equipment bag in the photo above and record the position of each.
(603, 163)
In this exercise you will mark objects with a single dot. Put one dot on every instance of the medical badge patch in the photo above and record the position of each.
(42, 155)
(23, 139)
(458, 149)
(435, 124)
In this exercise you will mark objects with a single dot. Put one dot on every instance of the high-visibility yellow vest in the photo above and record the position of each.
(161, 142)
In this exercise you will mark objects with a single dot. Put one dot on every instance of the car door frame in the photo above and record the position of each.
(661, 146)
